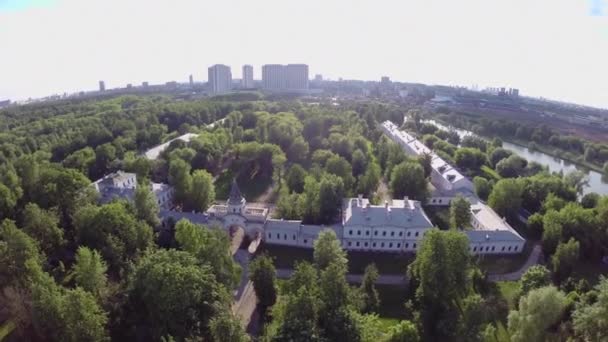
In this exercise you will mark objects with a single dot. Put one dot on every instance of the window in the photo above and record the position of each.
(487, 248)
(407, 245)
(493, 248)
(367, 232)
(357, 243)
(365, 244)
(509, 249)
(350, 243)
(285, 236)
(384, 233)
(416, 234)
(399, 245)
(305, 241)
(358, 232)
(376, 233)
(434, 200)
(373, 244)
(278, 236)
(409, 233)
(234, 210)
(390, 245)
(270, 235)
(474, 249)
(400, 233)
(350, 232)
(414, 246)
(503, 248)
(440, 201)
(294, 236)
(382, 244)
(515, 249)
(392, 233)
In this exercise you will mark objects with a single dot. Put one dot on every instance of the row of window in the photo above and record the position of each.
(439, 201)
(380, 244)
(493, 249)
(350, 232)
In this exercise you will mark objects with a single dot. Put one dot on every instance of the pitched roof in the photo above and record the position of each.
(235, 194)
(399, 213)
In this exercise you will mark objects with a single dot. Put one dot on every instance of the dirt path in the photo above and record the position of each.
(383, 192)
(513, 276)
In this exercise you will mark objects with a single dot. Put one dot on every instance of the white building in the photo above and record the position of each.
(291, 77)
(122, 185)
(247, 79)
(490, 234)
(220, 79)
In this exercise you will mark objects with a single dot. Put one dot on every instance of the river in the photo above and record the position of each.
(596, 182)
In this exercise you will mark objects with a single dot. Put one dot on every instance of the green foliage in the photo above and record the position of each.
(538, 310)
(295, 178)
(589, 319)
(535, 277)
(263, 275)
(114, 231)
(565, 258)
(460, 213)
(16, 250)
(202, 193)
(227, 328)
(511, 167)
(371, 298)
(590, 200)
(506, 197)
(146, 205)
(469, 158)
(497, 155)
(172, 284)
(368, 182)
(43, 226)
(407, 179)
(90, 271)
(328, 250)
(483, 188)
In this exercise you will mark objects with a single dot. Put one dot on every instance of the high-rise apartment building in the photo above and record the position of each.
(191, 80)
(297, 76)
(220, 78)
(285, 77)
(247, 79)
(102, 86)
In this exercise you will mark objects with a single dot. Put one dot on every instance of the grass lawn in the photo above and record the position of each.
(499, 264)
(387, 263)
(509, 291)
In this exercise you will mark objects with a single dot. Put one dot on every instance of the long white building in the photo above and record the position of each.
(490, 234)
(291, 77)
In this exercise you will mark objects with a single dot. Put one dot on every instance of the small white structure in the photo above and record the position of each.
(121, 184)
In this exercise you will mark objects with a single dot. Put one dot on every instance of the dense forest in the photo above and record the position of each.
(75, 270)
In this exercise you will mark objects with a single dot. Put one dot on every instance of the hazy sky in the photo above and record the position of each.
(551, 48)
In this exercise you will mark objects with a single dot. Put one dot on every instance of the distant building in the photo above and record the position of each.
(129, 86)
(273, 76)
(102, 86)
(220, 79)
(144, 84)
(247, 79)
(318, 78)
(5, 103)
(285, 77)
(191, 79)
(385, 80)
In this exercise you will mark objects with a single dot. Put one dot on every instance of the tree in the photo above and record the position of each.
(202, 192)
(16, 250)
(371, 298)
(340, 167)
(578, 180)
(90, 271)
(211, 246)
(469, 158)
(497, 155)
(368, 182)
(227, 328)
(474, 142)
(104, 155)
(114, 231)
(441, 271)
(331, 193)
(180, 179)
(565, 258)
(328, 250)
(407, 179)
(359, 163)
(298, 150)
(538, 310)
(405, 331)
(297, 318)
(512, 166)
(482, 187)
(263, 275)
(588, 320)
(43, 226)
(172, 284)
(552, 231)
(590, 200)
(8, 201)
(295, 178)
(535, 277)
(460, 213)
(506, 197)
(146, 205)
(425, 161)
(336, 319)
(473, 316)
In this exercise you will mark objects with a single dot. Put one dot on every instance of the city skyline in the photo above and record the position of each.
(563, 59)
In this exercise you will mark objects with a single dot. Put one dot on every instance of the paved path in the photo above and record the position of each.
(383, 279)
(513, 276)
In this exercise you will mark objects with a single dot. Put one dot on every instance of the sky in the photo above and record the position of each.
(557, 49)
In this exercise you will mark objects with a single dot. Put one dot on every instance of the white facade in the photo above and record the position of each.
(297, 77)
(291, 77)
(220, 79)
(247, 79)
(122, 185)
(273, 77)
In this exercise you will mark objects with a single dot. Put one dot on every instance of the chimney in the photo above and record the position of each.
(360, 197)
(386, 204)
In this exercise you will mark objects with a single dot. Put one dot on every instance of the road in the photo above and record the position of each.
(532, 260)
